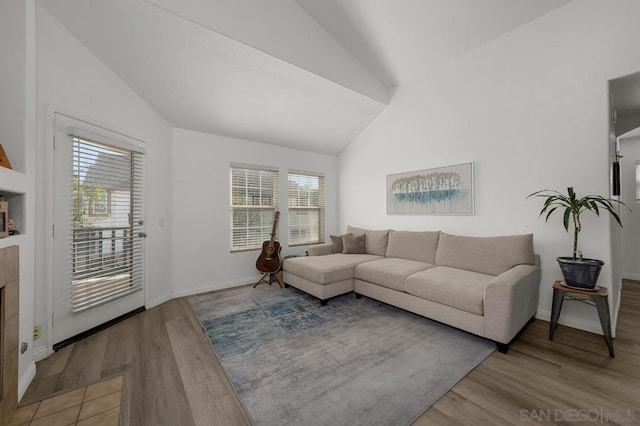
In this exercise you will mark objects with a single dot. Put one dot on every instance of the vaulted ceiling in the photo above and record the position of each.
(308, 74)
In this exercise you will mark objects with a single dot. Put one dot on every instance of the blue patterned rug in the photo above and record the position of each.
(353, 362)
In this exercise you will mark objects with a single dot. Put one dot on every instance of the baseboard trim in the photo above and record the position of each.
(39, 353)
(217, 286)
(26, 379)
(580, 324)
(630, 276)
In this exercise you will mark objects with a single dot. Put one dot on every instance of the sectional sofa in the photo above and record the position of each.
(487, 286)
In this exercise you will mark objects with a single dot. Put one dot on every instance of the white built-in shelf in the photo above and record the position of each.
(12, 181)
(11, 240)
(13, 187)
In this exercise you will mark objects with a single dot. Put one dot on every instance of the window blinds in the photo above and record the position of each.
(306, 208)
(254, 200)
(107, 216)
(637, 180)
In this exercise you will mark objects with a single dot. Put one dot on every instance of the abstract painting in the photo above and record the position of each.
(440, 191)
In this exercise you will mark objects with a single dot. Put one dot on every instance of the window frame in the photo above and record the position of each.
(320, 208)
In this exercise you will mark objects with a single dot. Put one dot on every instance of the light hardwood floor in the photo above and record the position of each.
(176, 378)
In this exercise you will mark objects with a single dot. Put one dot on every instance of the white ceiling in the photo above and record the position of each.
(399, 39)
(308, 74)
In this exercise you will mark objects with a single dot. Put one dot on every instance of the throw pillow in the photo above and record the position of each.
(353, 244)
(337, 242)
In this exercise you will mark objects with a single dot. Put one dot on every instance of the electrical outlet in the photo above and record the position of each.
(36, 331)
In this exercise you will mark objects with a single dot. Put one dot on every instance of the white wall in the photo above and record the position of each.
(200, 165)
(72, 80)
(12, 86)
(530, 109)
(17, 134)
(630, 149)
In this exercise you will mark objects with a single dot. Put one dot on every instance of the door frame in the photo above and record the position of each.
(617, 233)
(47, 235)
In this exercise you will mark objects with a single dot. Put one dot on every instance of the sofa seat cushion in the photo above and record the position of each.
(453, 287)
(326, 269)
(389, 272)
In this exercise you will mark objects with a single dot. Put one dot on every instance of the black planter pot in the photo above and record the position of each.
(580, 273)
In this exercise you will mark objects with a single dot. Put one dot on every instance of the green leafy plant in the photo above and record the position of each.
(573, 207)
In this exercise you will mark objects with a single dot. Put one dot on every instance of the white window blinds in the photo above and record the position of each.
(254, 200)
(107, 215)
(637, 180)
(306, 208)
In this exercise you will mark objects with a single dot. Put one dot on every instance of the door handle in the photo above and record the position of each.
(142, 234)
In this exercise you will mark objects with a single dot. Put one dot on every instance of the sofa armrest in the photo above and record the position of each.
(510, 300)
(320, 249)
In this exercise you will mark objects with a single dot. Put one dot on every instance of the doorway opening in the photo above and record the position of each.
(624, 138)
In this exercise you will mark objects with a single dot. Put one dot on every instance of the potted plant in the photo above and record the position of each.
(578, 271)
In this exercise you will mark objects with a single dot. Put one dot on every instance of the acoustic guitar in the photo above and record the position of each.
(269, 260)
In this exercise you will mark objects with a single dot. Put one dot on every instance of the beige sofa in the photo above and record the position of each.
(487, 286)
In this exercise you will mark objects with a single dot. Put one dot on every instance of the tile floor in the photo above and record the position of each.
(97, 404)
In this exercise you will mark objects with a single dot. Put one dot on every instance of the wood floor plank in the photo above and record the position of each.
(462, 411)
(52, 366)
(436, 417)
(492, 399)
(77, 370)
(176, 379)
(165, 401)
(137, 392)
(40, 388)
(212, 398)
(123, 346)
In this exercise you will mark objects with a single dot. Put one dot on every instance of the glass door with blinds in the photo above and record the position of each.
(98, 232)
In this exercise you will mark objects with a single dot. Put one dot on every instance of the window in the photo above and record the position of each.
(254, 200)
(638, 181)
(306, 208)
(100, 203)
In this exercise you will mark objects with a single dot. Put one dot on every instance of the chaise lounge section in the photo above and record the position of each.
(487, 286)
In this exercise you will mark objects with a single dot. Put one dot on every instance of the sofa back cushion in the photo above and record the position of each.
(375, 242)
(420, 246)
(487, 255)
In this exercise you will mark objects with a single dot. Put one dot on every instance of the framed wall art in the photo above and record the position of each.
(440, 191)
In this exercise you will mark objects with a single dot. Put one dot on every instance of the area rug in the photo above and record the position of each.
(352, 362)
